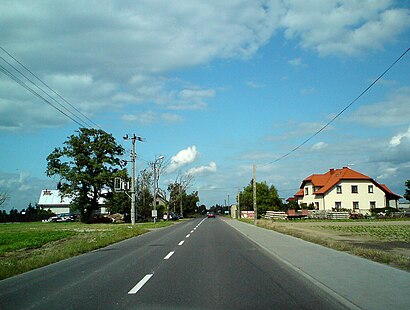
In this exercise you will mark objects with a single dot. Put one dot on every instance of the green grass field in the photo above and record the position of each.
(383, 232)
(26, 246)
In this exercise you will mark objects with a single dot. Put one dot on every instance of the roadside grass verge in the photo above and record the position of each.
(388, 233)
(27, 246)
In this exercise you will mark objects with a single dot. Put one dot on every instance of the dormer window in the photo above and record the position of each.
(306, 190)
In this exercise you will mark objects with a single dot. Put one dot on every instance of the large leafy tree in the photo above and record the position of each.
(86, 164)
(407, 193)
(267, 198)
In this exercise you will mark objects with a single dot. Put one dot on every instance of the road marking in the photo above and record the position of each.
(192, 231)
(140, 284)
(169, 255)
(181, 243)
(187, 236)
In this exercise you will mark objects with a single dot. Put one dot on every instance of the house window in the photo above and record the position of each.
(372, 204)
(316, 205)
(338, 205)
(355, 205)
(354, 189)
(306, 190)
(370, 189)
(338, 189)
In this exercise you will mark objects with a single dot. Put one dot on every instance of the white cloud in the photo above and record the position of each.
(255, 85)
(202, 169)
(300, 130)
(307, 91)
(295, 62)
(319, 146)
(22, 188)
(152, 117)
(183, 158)
(191, 99)
(104, 57)
(397, 139)
(387, 173)
(395, 110)
(348, 27)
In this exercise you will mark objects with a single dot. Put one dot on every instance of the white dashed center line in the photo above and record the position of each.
(182, 242)
(169, 255)
(187, 236)
(140, 284)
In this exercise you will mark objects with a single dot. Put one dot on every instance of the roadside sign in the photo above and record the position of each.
(154, 213)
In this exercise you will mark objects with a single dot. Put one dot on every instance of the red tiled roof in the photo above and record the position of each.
(389, 192)
(327, 181)
(299, 193)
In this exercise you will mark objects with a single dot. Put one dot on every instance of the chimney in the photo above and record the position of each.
(331, 170)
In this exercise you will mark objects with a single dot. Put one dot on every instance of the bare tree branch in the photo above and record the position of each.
(4, 196)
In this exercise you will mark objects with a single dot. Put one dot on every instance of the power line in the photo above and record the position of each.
(48, 87)
(24, 85)
(44, 92)
(76, 116)
(340, 113)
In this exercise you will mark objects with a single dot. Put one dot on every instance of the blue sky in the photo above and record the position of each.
(214, 86)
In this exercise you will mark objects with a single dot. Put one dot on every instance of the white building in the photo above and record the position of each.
(345, 189)
(52, 199)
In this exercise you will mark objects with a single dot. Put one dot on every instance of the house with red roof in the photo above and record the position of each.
(345, 188)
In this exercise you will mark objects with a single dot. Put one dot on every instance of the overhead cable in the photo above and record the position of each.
(340, 113)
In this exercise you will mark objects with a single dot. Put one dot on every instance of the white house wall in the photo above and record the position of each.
(363, 197)
(346, 197)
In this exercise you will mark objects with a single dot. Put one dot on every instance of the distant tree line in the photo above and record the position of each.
(30, 214)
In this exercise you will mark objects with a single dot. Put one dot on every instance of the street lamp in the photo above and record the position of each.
(154, 213)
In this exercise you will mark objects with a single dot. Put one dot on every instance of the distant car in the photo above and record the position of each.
(63, 217)
(210, 214)
(173, 216)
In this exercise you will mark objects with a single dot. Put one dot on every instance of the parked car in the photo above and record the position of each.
(63, 217)
(174, 216)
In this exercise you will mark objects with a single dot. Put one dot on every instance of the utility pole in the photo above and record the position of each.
(155, 189)
(155, 186)
(133, 211)
(132, 191)
(254, 195)
(180, 200)
(239, 204)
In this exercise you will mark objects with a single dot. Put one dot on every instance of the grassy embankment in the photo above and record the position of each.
(26, 246)
(340, 236)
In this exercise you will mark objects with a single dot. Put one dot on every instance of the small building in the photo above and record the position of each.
(53, 200)
(234, 211)
(345, 189)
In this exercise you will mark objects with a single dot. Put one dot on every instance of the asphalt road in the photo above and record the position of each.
(197, 264)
